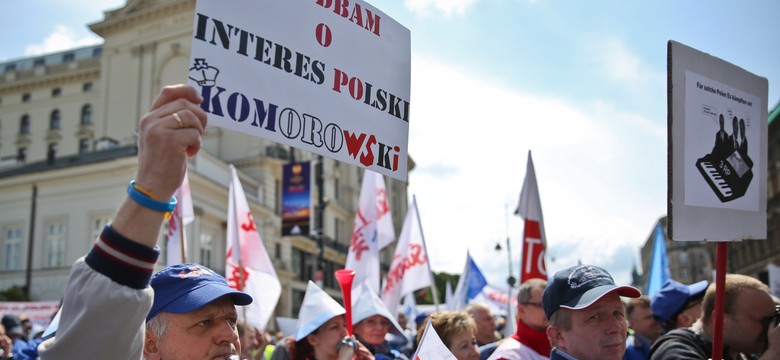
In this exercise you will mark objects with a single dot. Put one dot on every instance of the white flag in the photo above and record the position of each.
(431, 347)
(373, 230)
(182, 215)
(410, 269)
(248, 267)
(448, 297)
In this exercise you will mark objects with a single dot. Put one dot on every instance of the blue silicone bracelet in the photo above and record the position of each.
(148, 202)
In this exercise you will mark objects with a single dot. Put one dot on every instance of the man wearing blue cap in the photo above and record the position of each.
(587, 317)
(677, 305)
(187, 295)
(108, 297)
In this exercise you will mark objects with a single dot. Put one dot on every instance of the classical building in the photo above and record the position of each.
(67, 151)
(690, 262)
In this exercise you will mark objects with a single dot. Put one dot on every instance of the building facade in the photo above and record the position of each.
(67, 151)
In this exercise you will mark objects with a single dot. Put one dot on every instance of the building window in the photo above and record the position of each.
(87, 87)
(51, 152)
(97, 51)
(54, 120)
(83, 146)
(297, 300)
(86, 114)
(26, 97)
(684, 257)
(278, 250)
(68, 57)
(56, 92)
(12, 242)
(24, 124)
(39, 62)
(685, 274)
(55, 243)
(205, 247)
(21, 154)
(10, 67)
(97, 223)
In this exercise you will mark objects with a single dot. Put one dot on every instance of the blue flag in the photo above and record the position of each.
(659, 263)
(475, 281)
(469, 286)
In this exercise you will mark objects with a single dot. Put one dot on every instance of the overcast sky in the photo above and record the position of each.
(581, 84)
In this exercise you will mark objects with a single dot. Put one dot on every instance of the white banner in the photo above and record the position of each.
(248, 266)
(373, 230)
(330, 77)
(410, 269)
(39, 312)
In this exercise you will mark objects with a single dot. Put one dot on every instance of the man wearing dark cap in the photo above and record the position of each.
(749, 328)
(190, 294)
(587, 317)
(108, 298)
(677, 305)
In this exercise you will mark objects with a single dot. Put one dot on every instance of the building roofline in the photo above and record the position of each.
(70, 161)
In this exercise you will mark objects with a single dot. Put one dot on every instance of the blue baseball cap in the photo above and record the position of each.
(671, 299)
(579, 287)
(184, 288)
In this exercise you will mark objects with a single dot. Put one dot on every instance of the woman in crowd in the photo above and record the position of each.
(456, 330)
(372, 321)
(321, 332)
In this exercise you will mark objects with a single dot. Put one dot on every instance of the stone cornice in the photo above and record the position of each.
(49, 80)
(138, 11)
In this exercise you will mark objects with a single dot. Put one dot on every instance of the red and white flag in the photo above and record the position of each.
(431, 347)
(410, 269)
(373, 231)
(183, 214)
(248, 267)
(534, 243)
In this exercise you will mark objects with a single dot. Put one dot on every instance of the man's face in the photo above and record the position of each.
(373, 329)
(207, 333)
(532, 312)
(597, 332)
(745, 330)
(643, 322)
(326, 339)
(486, 325)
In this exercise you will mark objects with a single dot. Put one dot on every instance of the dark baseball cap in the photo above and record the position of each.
(671, 299)
(184, 288)
(579, 287)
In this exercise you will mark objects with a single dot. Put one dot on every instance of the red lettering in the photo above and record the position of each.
(367, 158)
(398, 268)
(340, 79)
(354, 143)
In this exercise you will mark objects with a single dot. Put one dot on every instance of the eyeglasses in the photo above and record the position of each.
(537, 304)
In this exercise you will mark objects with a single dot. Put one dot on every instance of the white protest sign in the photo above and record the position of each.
(327, 76)
(717, 149)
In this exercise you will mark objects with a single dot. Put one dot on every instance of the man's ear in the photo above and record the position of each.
(151, 351)
(555, 335)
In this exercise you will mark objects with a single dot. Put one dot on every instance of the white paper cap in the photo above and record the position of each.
(317, 308)
(369, 304)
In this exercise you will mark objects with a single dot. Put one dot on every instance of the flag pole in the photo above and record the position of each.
(720, 296)
(182, 239)
(425, 247)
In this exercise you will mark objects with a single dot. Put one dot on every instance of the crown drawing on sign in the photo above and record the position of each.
(203, 73)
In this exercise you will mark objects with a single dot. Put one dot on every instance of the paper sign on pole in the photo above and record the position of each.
(330, 77)
(718, 149)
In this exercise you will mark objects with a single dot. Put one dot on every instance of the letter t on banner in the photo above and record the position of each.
(529, 208)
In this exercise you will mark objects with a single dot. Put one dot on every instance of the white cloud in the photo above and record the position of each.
(615, 60)
(62, 38)
(600, 193)
(448, 7)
